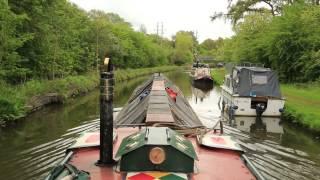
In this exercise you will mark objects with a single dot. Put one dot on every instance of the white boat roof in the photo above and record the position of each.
(256, 69)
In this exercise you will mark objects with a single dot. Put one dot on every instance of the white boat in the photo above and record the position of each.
(251, 91)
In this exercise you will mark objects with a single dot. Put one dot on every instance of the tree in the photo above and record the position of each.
(52, 39)
(288, 43)
(11, 63)
(237, 9)
(209, 47)
(184, 44)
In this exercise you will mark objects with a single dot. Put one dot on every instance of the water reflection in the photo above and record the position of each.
(204, 86)
(201, 89)
(259, 126)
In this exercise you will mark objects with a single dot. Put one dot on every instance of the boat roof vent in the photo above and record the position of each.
(156, 149)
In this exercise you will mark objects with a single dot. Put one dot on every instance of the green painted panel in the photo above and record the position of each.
(182, 144)
(138, 160)
(131, 143)
(134, 151)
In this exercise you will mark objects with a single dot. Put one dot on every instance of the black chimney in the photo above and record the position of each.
(106, 113)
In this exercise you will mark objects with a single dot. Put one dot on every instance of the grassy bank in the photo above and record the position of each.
(18, 101)
(218, 75)
(122, 75)
(303, 104)
(302, 101)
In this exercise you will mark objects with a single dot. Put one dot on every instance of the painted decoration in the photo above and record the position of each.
(220, 141)
(156, 176)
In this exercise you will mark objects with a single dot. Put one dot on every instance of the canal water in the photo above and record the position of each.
(31, 148)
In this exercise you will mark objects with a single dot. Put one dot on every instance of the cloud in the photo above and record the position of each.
(190, 15)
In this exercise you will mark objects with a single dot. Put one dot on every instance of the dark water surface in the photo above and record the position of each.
(29, 150)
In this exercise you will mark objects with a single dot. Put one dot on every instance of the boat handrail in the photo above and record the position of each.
(248, 64)
(230, 66)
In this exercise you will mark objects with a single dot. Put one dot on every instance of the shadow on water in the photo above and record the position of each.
(29, 150)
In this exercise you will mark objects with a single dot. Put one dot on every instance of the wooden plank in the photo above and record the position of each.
(158, 93)
(159, 118)
(158, 100)
(158, 108)
(158, 85)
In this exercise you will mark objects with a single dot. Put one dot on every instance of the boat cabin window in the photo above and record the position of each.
(259, 79)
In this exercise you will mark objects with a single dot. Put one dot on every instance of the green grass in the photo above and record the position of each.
(303, 104)
(302, 101)
(14, 99)
(218, 75)
(122, 75)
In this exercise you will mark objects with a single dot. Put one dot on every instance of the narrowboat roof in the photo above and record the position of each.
(151, 101)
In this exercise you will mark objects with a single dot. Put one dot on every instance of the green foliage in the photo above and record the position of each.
(209, 47)
(122, 75)
(184, 47)
(11, 105)
(238, 9)
(57, 41)
(54, 39)
(295, 44)
(10, 41)
(14, 99)
(289, 43)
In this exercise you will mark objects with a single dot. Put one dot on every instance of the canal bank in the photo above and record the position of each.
(29, 150)
(302, 102)
(17, 102)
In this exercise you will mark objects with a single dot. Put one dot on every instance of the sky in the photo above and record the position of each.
(175, 15)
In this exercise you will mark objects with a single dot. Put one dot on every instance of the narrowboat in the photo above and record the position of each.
(156, 136)
(201, 72)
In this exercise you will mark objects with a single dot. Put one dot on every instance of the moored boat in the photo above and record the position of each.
(201, 72)
(156, 136)
(251, 91)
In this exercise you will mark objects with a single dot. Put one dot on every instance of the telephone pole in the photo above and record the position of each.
(161, 29)
(196, 34)
(158, 28)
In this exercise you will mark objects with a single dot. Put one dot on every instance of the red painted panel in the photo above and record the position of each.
(213, 164)
(141, 176)
(220, 164)
(218, 140)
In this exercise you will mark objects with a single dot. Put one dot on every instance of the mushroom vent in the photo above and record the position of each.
(156, 149)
